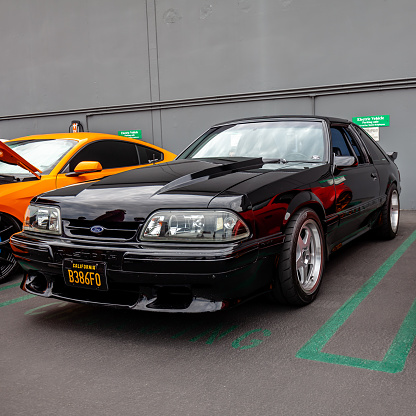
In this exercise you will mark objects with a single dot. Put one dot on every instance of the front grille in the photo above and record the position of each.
(121, 231)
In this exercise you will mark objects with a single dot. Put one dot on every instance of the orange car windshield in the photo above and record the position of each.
(44, 154)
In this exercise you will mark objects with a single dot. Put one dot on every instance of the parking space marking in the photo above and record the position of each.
(9, 286)
(395, 358)
(10, 302)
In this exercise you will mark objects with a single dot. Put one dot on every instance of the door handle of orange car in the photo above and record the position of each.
(86, 167)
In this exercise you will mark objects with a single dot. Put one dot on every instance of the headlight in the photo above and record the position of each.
(210, 226)
(42, 219)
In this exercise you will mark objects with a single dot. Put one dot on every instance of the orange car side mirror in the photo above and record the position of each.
(86, 167)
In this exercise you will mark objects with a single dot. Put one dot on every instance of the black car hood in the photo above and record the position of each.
(137, 193)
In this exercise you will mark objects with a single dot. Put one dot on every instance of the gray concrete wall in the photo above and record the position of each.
(174, 67)
(64, 54)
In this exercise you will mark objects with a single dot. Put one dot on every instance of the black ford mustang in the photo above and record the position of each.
(252, 206)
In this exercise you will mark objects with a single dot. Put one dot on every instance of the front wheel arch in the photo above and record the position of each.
(311, 204)
(305, 199)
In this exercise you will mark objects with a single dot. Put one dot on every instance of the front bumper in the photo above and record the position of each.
(150, 277)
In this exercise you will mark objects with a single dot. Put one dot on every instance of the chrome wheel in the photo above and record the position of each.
(390, 215)
(394, 211)
(309, 256)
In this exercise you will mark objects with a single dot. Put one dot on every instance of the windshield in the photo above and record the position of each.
(43, 154)
(290, 140)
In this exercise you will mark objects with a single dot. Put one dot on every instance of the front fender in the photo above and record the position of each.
(305, 198)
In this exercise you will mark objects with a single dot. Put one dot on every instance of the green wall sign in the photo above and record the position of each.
(135, 134)
(372, 121)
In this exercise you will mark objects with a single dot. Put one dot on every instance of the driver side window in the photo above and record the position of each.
(344, 144)
(110, 153)
(339, 144)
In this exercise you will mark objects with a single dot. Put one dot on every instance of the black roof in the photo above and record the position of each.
(271, 118)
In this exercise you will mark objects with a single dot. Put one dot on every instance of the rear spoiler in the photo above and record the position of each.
(392, 155)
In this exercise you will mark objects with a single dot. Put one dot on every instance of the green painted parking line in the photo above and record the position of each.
(9, 286)
(10, 302)
(20, 299)
(395, 358)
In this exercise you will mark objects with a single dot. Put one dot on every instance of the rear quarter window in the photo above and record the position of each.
(376, 152)
(149, 155)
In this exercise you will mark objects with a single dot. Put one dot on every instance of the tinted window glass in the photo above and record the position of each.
(110, 153)
(148, 155)
(343, 142)
(376, 153)
(339, 144)
(353, 142)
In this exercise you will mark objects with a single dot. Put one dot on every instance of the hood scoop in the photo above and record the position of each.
(214, 172)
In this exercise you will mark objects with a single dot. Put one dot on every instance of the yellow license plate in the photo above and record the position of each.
(85, 274)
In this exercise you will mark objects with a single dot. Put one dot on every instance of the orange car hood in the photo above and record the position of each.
(8, 155)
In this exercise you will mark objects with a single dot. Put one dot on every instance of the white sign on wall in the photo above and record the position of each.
(374, 132)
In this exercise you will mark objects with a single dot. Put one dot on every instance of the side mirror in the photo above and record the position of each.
(86, 167)
(344, 161)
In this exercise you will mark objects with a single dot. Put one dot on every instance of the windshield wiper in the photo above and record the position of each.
(303, 161)
(11, 177)
(211, 159)
(269, 161)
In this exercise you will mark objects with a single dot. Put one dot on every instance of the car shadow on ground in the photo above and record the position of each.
(243, 327)
(257, 317)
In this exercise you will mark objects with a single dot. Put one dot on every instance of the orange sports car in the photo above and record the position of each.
(35, 164)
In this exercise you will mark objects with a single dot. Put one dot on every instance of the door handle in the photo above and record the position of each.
(374, 176)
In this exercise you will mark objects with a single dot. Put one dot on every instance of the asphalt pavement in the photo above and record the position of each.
(351, 352)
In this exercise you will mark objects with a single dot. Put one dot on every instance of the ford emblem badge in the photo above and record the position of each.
(97, 229)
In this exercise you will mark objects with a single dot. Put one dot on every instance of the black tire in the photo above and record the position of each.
(390, 215)
(301, 262)
(8, 264)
